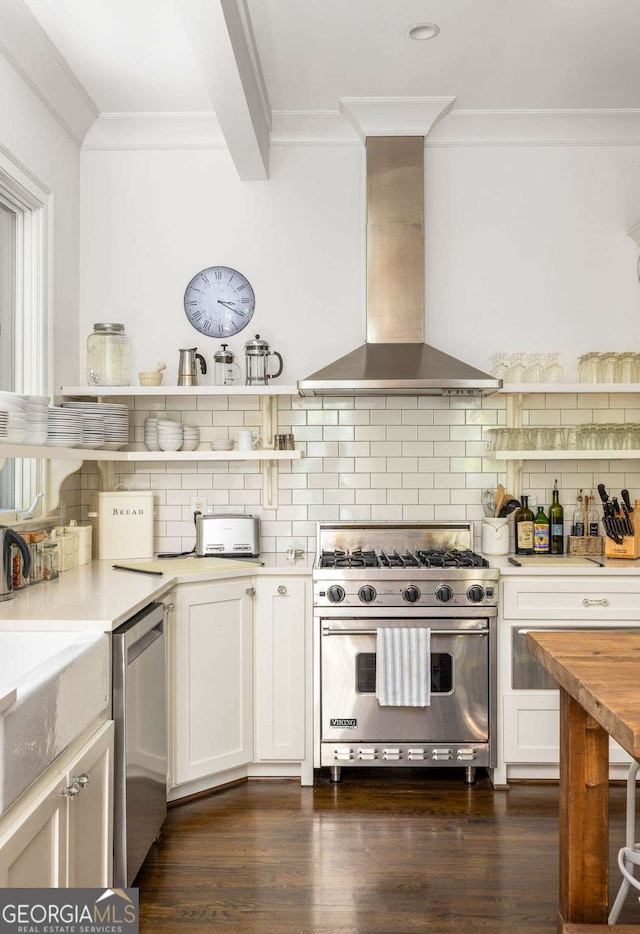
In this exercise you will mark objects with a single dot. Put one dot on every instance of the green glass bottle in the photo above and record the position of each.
(540, 533)
(524, 528)
(556, 524)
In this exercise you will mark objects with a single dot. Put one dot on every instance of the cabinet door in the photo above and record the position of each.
(532, 730)
(33, 851)
(213, 697)
(91, 813)
(280, 645)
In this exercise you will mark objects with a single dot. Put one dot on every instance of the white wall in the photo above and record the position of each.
(31, 136)
(526, 249)
(151, 220)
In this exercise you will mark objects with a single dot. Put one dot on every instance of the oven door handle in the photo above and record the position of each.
(434, 632)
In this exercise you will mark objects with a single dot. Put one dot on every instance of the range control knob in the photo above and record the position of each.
(367, 593)
(411, 594)
(444, 593)
(475, 593)
(335, 593)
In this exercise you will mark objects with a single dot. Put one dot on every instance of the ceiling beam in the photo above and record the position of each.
(221, 36)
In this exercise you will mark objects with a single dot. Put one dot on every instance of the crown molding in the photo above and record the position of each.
(131, 131)
(319, 128)
(597, 127)
(394, 116)
(29, 51)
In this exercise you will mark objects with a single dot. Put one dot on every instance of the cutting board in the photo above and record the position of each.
(174, 567)
(548, 561)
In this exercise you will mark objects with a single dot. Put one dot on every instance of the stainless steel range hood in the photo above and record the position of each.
(394, 359)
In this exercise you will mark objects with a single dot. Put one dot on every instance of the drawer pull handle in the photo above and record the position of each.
(282, 590)
(602, 602)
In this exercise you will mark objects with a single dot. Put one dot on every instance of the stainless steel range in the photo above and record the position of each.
(375, 576)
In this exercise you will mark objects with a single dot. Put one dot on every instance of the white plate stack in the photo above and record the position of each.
(191, 436)
(15, 405)
(151, 434)
(4, 426)
(64, 428)
(92, 430)
(222, 445)
(116, 420)
(37, 420)
(170, 436)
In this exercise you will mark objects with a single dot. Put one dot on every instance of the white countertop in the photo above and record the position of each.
(95, 598)
(611, 566)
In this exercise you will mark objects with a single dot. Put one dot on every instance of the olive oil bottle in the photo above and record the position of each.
(540, 533)
(556, 523)
(524, 528)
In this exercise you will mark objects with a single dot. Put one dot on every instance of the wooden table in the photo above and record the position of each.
(599, 678)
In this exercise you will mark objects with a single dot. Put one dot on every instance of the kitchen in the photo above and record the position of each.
(530, 190)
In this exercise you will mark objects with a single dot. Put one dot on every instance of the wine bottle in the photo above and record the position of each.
(578, 517)
(556, 523)
(524, 528)
(593, 519)
(540, 533)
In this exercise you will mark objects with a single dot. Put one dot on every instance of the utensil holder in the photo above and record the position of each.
(630, 547)
(585, 545)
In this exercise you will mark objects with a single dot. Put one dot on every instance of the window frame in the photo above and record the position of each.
(32, 201)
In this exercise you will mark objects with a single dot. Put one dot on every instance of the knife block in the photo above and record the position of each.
(630, 547)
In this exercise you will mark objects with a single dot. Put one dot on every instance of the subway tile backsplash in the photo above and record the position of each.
(380, 458)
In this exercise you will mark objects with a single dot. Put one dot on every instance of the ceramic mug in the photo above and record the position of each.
(248, 440)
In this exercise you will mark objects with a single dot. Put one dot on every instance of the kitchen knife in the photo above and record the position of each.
(626, 516)
(629, 510)
(617, 519)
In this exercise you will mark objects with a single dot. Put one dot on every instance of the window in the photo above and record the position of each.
(24, 281)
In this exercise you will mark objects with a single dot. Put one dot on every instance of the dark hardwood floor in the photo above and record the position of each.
(382, 853)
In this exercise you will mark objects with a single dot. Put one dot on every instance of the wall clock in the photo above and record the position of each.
(219, 301)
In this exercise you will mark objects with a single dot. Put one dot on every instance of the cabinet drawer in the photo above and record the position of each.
(580, 598)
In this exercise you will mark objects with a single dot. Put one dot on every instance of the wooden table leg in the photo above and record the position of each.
(584, 816)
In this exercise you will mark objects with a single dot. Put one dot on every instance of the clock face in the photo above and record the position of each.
(219, 301)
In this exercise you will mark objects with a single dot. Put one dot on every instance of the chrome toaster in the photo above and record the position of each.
(231, 534)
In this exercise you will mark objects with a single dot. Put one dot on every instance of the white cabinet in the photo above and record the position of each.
(212, 679)
(528, 698)
(281, 668)
(63, 835)
(91, 813)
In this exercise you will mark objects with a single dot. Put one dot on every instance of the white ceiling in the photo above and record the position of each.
(134, 56)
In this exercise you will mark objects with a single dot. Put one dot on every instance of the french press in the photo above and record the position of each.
(257, 353)
(225, 370)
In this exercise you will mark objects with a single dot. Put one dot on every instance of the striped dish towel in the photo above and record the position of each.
(403, 667)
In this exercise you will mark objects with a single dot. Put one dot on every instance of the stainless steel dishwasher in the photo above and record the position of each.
(140, 792)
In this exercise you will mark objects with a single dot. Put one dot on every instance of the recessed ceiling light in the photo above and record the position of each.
(423, 31)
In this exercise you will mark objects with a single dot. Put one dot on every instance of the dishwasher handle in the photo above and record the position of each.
(143, 643)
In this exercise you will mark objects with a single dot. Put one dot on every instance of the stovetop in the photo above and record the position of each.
(421, 558)
(414, 565)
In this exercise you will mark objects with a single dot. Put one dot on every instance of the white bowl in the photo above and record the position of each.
(189, 445)
(170, 445)
(152, 445)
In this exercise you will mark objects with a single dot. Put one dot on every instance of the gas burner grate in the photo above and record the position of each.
(452, 559)
(349, 559)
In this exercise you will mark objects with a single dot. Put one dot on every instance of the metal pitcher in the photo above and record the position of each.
(8, 538)
(187, 367)
(257, 353)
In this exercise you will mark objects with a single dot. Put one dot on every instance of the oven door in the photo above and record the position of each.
(459, 709)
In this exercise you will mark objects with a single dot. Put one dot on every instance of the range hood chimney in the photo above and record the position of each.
(395, 360)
